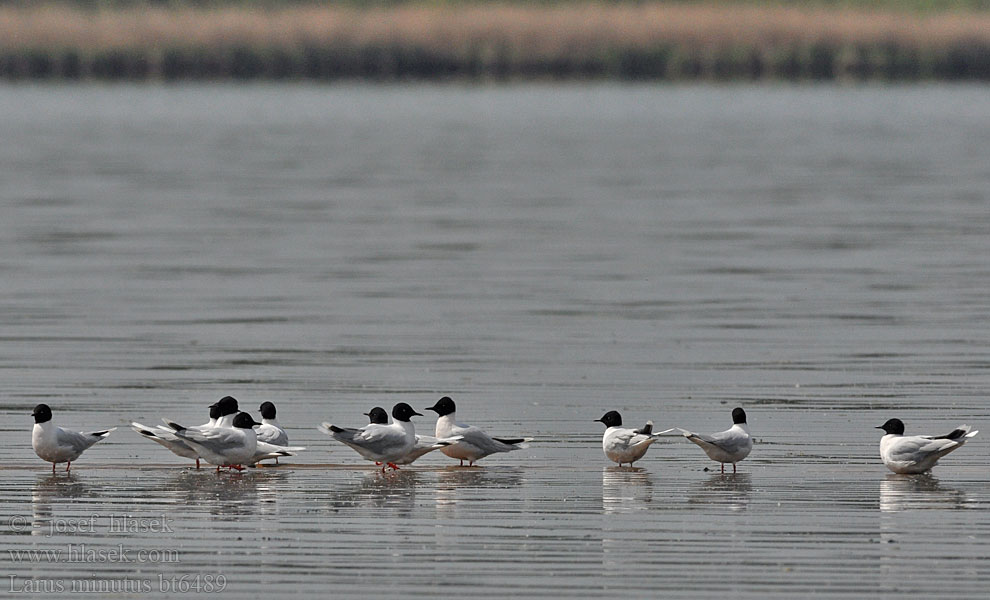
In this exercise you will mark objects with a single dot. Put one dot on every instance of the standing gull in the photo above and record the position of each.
(57, 445)
(475, 443)
(270, 430)
(229, 447)
(625, 445)
(729, 446)
(424, 443)
(381, 444)
(167, 438)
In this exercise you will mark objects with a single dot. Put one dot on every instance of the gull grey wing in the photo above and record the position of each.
(481, 440)
(917, 448)
(166, 438)
(272, 435)
(216, 440)
(730, 440)
(79, 441)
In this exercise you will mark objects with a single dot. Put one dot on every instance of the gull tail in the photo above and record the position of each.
(101, 434)
(519, 443)
(329, 428)
(959, 433)
(143, 429)
(645, 429)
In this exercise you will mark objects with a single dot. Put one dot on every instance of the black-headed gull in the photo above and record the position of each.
(917, 453)
(229, 447)
(270, 430)
(166, 436)
(381, 444)
(623, 445)
(424, 443)
(475, 444)
(57, 445)
(729, 446)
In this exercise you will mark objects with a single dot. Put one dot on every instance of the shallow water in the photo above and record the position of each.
(542, 254)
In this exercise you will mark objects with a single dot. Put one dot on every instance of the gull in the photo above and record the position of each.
(228, 447)
(424, 443)
(167, 438)
(917, 453)
(270, 431)
(381, 444)
(625, 445)
(729, 446)
(475, 444)
(56, 445)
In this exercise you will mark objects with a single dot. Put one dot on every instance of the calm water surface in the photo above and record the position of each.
(816, 255)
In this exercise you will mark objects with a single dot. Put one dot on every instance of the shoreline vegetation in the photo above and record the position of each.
(492, 42)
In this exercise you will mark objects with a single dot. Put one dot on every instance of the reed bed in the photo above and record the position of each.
(493, 41)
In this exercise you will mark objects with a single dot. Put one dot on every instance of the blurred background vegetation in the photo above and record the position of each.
(897, 5)
(889, 40)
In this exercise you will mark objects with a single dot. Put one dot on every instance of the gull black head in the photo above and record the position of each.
(403, 412)
(377, 415)
(894, 426)
(215, 411)
(611, 419)
(227, 404)
(267, 410)
(42, 413)
(244, 421)
(738, 416)
(443, 407)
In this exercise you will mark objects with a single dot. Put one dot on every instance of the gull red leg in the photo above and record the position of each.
(723, 467)
(67, 465)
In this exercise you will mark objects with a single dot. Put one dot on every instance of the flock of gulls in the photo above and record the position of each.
(233, 439)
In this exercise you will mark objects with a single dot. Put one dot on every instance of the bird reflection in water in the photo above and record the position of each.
(626, 489)
(730, 490)
(455, 485)
(900, 492)
(249, 493)
(52, 490)
(394, 490)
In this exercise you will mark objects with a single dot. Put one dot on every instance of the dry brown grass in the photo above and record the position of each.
(511, 37)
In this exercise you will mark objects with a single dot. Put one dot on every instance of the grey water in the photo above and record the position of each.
(817, 255)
